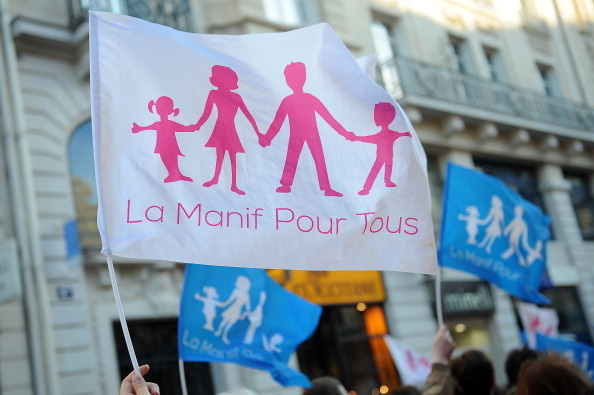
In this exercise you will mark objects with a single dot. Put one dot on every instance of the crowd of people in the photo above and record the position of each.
(528, 372)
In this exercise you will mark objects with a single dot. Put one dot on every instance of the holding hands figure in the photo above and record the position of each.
(384, 114)
(224, 137)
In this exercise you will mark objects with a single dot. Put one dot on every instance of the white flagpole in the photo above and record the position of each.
(116, 294)
(182, 377)
(438, 310)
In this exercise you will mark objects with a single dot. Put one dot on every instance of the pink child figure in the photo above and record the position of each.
(300, 108)
(224, 137)
(166, 145)
(384, 114)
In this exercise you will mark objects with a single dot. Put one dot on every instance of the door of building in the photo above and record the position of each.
(155, 343)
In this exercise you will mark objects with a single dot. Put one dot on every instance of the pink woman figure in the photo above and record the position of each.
(384, 115)
(224, 137)
(166, 145)
(301, 108)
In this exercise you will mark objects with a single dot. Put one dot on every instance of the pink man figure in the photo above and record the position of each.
(224, 137)
(166, 145)
(384, 115)
(300, 108)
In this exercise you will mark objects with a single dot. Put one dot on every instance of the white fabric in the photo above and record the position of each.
(537, 320)
(134, 62)
(412, 366)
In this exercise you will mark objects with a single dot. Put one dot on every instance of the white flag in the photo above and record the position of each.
(412, 366)
(537, 320)
(264, 150)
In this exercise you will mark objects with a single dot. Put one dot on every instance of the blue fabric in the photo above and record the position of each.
(489, 230)
(579, 353)
(241, 315)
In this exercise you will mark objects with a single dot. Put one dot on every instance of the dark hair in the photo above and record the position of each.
(589, 390)
(551, 374)
(406, 390)
(514, 362)
(473, 373)
(325, 385)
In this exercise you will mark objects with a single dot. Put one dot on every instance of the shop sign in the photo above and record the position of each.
(333, 287)
(9, 275)
(466, 298)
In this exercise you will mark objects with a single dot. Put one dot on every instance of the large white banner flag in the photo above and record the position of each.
(263, 150)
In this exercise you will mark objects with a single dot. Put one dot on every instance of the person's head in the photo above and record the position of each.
(164, 106)
(514, 362)
(473, 373)
(551, 374)
(295, 75)
(406, 390)
(223, 77)
(325, 385)
(243, 283)
(384, 114)
(589, 390)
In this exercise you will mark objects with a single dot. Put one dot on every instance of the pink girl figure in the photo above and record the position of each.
(384, 114)
(224, 137)
(166, 145)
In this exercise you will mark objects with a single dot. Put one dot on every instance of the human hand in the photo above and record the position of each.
(351, 136)
(443, 345)
(135, 385)
(263, 140)
(135, 128)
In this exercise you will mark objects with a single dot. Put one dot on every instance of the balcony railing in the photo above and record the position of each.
(172, 13)
(403, 77)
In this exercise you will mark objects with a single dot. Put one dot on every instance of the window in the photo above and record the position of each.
(292, 12)
(494, 64)
(386, 46)
(155, 342)
(583, 204)
(349, 345)
(460, 53)
(82, 172)
(550, 84)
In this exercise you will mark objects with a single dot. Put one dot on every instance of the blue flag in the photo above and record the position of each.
(241, 315)
(489, 230)
(579, 353)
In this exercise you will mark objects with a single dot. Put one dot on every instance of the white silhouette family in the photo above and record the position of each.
(237, 307)
(516, 232)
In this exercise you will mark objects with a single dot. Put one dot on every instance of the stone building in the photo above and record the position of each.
(499, 85)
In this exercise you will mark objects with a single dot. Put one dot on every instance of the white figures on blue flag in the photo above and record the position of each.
(239, 299)
(210, 305)
(271, 344)
(472, 223)
(255, 318)
(516, 232)
(237, 308)
(494, 221)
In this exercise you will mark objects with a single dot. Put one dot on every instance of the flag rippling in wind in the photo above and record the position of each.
(268, 150)
(242, 316)
(489, 230)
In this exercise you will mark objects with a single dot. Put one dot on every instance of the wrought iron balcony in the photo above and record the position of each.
(172, 13)
(404, 77)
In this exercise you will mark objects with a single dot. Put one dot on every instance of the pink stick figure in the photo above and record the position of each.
(300, 108)
(224, 137)
(166, 145)
(384, 114)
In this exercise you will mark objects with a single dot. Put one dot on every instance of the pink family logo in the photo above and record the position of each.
(299, 109)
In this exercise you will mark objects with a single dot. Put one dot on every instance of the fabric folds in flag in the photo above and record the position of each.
(489, 230)
(273, 150)
(242, 316)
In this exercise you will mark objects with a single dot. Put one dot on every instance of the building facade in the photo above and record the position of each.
(498, 85)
